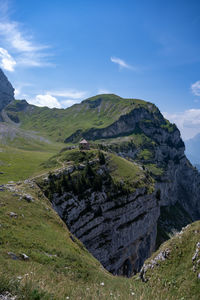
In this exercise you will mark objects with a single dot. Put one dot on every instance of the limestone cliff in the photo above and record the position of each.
(118, 226)
(180, 181)
(6, 91)
(120, 230)
(120, 233)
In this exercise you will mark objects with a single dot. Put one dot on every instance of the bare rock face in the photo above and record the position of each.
(180, 182)
(120, 231)
(6, 91)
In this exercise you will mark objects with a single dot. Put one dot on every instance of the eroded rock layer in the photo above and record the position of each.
(120, 231)
(6, 91)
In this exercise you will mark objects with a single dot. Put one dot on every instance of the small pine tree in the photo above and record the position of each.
(101, 156)
(58, 187)
(64, 182)
(97, 183)
(88, 172)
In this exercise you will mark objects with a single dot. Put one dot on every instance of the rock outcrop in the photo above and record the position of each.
(6, 91)
(121, 233)
(119, 230)
(180, 180)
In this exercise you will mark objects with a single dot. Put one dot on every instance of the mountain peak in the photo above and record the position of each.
(6, 91)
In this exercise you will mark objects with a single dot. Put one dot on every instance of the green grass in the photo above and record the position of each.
(175, 276)
(71, 271)
(145, 154)
(80, 116)
(39, 232)
(76, 156)
(124, 173)
(154, 170)
(18, 164)
(170, 127)
(129, 174)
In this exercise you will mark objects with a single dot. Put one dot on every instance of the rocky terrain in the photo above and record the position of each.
(6, 91)
(118, 226)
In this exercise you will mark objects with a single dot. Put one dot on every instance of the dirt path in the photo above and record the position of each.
(63, 166)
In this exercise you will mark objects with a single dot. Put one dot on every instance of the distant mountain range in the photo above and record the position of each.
(192, 150)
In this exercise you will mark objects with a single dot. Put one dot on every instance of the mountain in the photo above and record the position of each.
(192, 149)
(97, 112)
(130, 192)
(6, 91)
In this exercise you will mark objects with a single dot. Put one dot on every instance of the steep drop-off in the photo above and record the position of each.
(113, 213)
(6, 92)
(124, 231)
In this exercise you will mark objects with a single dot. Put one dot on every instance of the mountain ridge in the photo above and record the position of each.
(99, 111)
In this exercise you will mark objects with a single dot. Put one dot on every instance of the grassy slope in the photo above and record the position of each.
(25, 161)
(122, 171)
(72, 272)
(79, 116)
(175, 277)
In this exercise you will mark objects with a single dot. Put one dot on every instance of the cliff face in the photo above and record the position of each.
(180, 181)
(121, 231)
(6, 91)
(117, 226)
(126, 124)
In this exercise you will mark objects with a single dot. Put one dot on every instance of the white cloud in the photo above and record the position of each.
(73, 94)
(45, 100)
(17, 92)
(121, 63)
(188, 122)
(6, 61)
(195, 87)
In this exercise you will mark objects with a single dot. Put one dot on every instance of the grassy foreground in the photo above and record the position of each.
(59, 267)
(19, 164)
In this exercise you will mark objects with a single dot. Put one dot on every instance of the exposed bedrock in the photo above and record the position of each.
(126, 124)
(122, 236)
(120, 233)
(6, 91)
(180, 181)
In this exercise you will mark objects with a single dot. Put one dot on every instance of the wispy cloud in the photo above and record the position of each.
(103, 91)
(18, 43)
(121, 63)
(195, 87)
(7, 62)
(16, 39)
(187, 121)
(68, 103)
(73, 94)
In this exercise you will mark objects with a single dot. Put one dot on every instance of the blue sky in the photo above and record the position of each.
(57, 53)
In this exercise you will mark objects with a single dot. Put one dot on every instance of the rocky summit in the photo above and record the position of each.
(6, 91)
